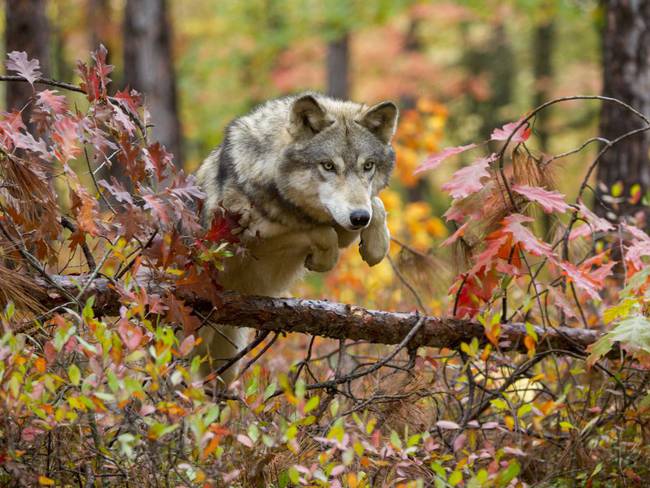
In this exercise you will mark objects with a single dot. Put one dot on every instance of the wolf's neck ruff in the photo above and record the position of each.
(302, 175)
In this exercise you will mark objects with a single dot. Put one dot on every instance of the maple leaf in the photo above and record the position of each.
(84, 206)
(632, 333)
(129, 156)
(24, 140)
(434, 160)
(221, 228)
(28, 69)
(123, 119)
(186, 188)
(550, 201)
(131, 98)
(597, 223)
(179, 313)
(131, 334)
(514, 224)
(456, 235)
(117, 190)
(503, 133)
(11, 123)
(159, 208)
(66, 137)
(157, 159)
(49, 101)
(581, 279)
(467, 180)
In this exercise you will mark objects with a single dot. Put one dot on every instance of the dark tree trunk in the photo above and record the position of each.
(149, 68)
(626, 76)
(543, 43)
(26, 29)
(99, 23)
(338, 67)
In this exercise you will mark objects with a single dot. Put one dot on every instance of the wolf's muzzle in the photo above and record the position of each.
(359, 218)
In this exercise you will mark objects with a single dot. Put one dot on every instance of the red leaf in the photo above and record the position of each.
(502, 134)
(123, 119)
(514, 224)
(550, 201)
(49, 101)
(467, 180)
(131, 98)
(157, 159)
(66, 137)
(131, 334)
(84, 206)
(596, 223)
(28, 69)
(187, 345)
(159, 208)
(581, 280)
(180, 314)
(434, 160)
(456, 235)
(221, 229)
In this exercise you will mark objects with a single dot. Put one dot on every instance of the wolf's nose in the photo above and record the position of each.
(359, 218)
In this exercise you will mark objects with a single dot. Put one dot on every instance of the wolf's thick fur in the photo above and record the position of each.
(302, 175)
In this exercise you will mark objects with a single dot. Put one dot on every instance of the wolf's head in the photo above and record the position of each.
(339, 157)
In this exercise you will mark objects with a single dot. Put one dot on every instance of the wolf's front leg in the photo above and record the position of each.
(375, 239)
(324, 250)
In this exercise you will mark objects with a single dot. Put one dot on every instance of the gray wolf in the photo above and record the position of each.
(301, 174)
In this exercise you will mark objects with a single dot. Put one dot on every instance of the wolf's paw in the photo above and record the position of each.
(375, 239)
(324, 252)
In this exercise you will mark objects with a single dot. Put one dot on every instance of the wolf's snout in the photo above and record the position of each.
(359, 218)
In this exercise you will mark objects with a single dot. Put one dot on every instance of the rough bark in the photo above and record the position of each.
(626, 76)
(338, 67)
(327, 319)
(26, 29)
(148, 67)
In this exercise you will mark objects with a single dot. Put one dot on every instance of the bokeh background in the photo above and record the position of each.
(457, 70)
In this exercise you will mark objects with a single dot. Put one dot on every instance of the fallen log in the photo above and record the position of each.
(323, 318)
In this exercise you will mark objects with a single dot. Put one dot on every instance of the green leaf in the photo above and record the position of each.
(395, 440)
(74, 374)
(312, 404)
(632, 333)
(508, 474)
(455, 478)
(294, 475)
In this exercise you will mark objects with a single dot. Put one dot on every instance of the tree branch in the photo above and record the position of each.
(325, 319)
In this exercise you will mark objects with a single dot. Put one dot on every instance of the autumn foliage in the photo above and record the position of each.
(101, 400)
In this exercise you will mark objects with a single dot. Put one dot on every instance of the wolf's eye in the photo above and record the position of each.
(328, 166)
(368, 165)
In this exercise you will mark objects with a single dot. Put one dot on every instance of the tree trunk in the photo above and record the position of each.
(26, 29)
(338, 67)
(626, 76)
(149, 68)
(543, 43)
(99, 23)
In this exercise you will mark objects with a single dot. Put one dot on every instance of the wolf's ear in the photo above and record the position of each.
(381, 120)
(307, 116)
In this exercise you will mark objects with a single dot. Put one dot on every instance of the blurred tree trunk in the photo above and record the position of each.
(99, 23)
(149, 68)
(493, 59)
(543, 44)
(26, 29)
(626, 76)
(338, 67)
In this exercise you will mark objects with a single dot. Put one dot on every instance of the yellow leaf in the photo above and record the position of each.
(45, 481)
